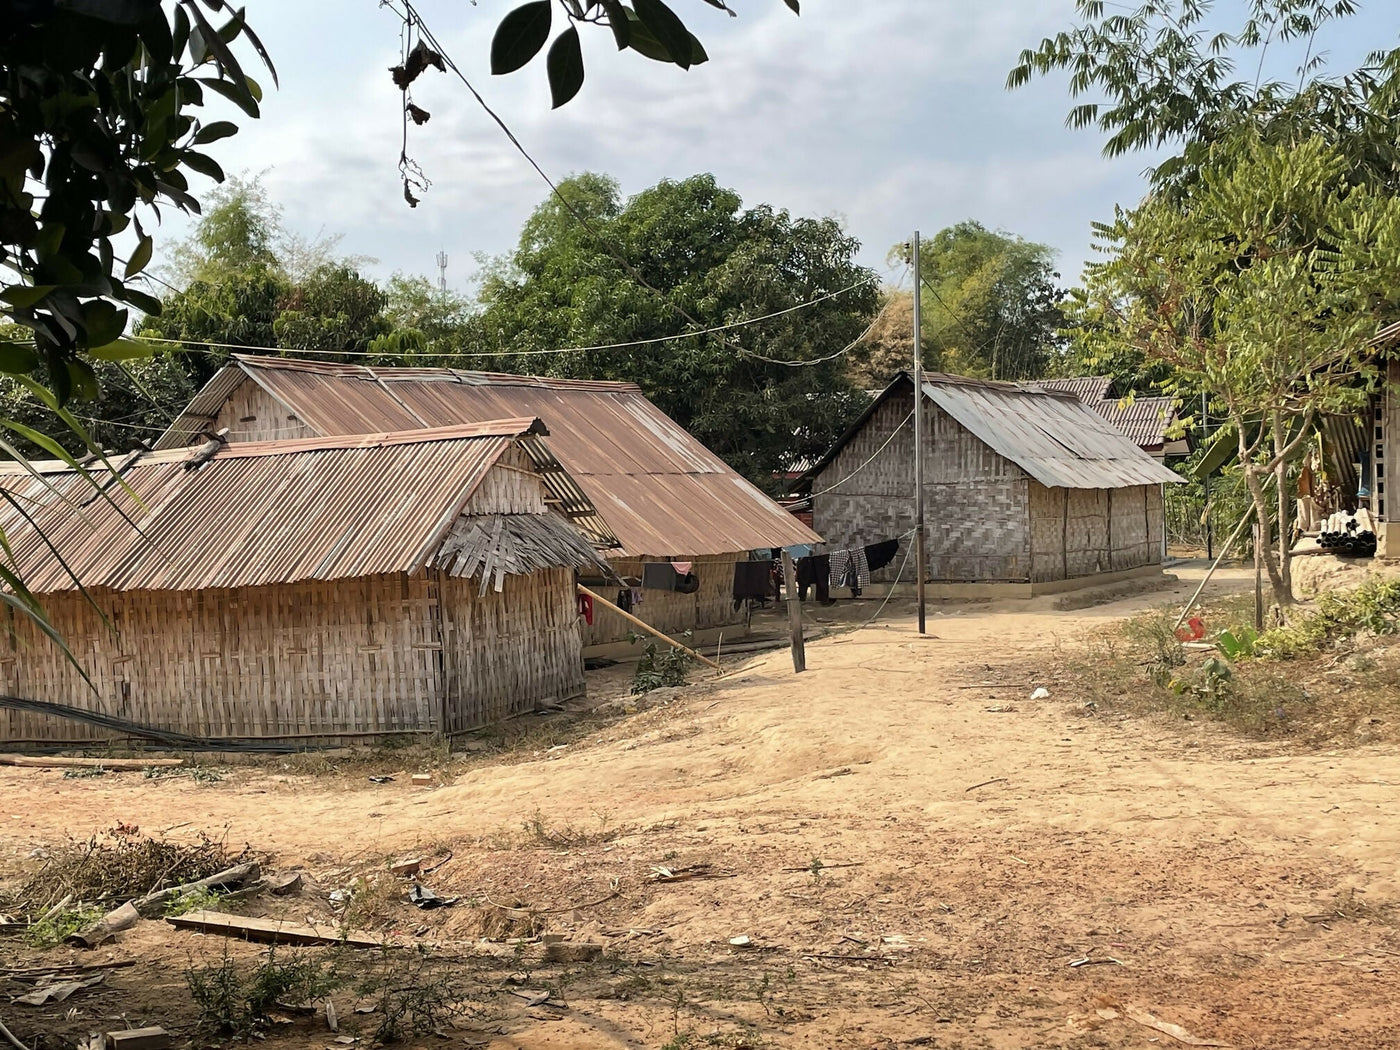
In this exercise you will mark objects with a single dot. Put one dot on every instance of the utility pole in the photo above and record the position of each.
(1205, 439)
(920, 565)
(442, 271)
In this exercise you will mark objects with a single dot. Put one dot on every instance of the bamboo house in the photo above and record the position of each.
(1022, 486)
(658, 492)
(313, 590)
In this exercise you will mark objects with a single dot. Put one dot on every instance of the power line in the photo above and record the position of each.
(874, 456)
(411, 17)
(569, 349)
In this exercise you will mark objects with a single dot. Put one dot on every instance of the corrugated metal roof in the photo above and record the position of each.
(1145, 420)
(661, 492)
(1053, 437)
(1088, 389)
(254, 514)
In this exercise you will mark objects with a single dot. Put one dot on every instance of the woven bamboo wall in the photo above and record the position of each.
(1080, 532)
(1387, 450)
(303, 661)
(252, 414)
(511, 652)
(511, 487)
(975, 500)
(711, 606)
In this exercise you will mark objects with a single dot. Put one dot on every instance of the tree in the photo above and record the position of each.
(706, 261)
(1169, 77)
(1261, 284)
(889, 348)
(239, 288)
(990, 303)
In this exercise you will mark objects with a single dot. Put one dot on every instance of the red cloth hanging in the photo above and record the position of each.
(585, 608)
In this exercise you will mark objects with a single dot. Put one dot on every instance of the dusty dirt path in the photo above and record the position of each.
(1239, 892)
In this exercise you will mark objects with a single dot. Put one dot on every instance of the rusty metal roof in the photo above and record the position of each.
(661, 492)
(254, 514)
(1054, 437)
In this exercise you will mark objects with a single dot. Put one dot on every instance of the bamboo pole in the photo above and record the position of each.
(648, 627)
(1206, 579)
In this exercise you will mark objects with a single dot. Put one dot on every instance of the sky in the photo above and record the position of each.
(891, 119)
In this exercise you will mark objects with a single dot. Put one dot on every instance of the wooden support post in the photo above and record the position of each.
(647, 627)
(799, 648)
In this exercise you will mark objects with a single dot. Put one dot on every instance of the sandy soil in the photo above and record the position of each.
(973, 846)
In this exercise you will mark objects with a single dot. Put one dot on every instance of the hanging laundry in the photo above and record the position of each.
(585, 608)
(836, 573)
(682, 567)
(753, 579)
(815, 572)
(687, 584)
(878, 555)
(636, 597)
(850, 569)
(624, 599)
(659, 576)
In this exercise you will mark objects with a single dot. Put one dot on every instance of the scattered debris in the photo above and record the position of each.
(1002, 709)
(572, 951)
(844, 771)
(331, 1021)
(59, 991)
(821, 865)
(139, 1039)
(271, 930)
(1102, 960)
(285, 885)
(422, 897)
(422, 780)
(694, 871)
(406, 866)
(740, 942)
(985, 783)
(381, 780)
(1040, 693)
(1181, 1035)
(106, 928)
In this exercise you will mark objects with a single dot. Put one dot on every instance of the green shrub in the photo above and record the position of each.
(1374, 607)
(52, 932)
(234, 999)
(660, 670)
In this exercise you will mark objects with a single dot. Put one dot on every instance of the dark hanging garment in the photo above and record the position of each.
(837, 563)
(753, 579)
(687, 584)
(624, 600)
(659, 576)
(878, 555)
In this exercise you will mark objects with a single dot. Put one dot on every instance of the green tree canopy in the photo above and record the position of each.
(709, 261)
(990, 304)
(1262, 284)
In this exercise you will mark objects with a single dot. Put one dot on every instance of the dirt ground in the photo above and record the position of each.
(918, 853)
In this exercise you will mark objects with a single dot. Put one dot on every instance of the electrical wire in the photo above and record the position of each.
(873, 457)
(568, 349)
(410, 15)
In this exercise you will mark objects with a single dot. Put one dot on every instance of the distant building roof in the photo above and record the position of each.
(1088, 389)
(659, 490)
(1054, 437)
(261, 513)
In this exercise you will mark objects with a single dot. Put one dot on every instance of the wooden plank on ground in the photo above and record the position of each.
(273, 931)
(60, 762)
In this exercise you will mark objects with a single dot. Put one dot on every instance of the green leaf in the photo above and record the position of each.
(243, 99)
(794, 5)
(18, 358)
(203, 164)
(618, 22)
(141, 256)
(520, 36)
(26, 295)
(668, 30)
(103, 322)
(84, 379)
(125, 349)
(220, 129)
(643, 41)
(565, 65)
(146, 303)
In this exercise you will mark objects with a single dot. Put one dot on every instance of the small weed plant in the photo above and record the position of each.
(235, 999)
(660, 670)
(53, 931)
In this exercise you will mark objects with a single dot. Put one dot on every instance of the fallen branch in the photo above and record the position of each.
(985, 783)
(10, 1037)
(822, 866)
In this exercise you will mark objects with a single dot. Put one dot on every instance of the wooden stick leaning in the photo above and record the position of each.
(648, 627)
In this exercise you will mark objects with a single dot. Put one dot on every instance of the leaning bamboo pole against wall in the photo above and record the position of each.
(647, 627)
